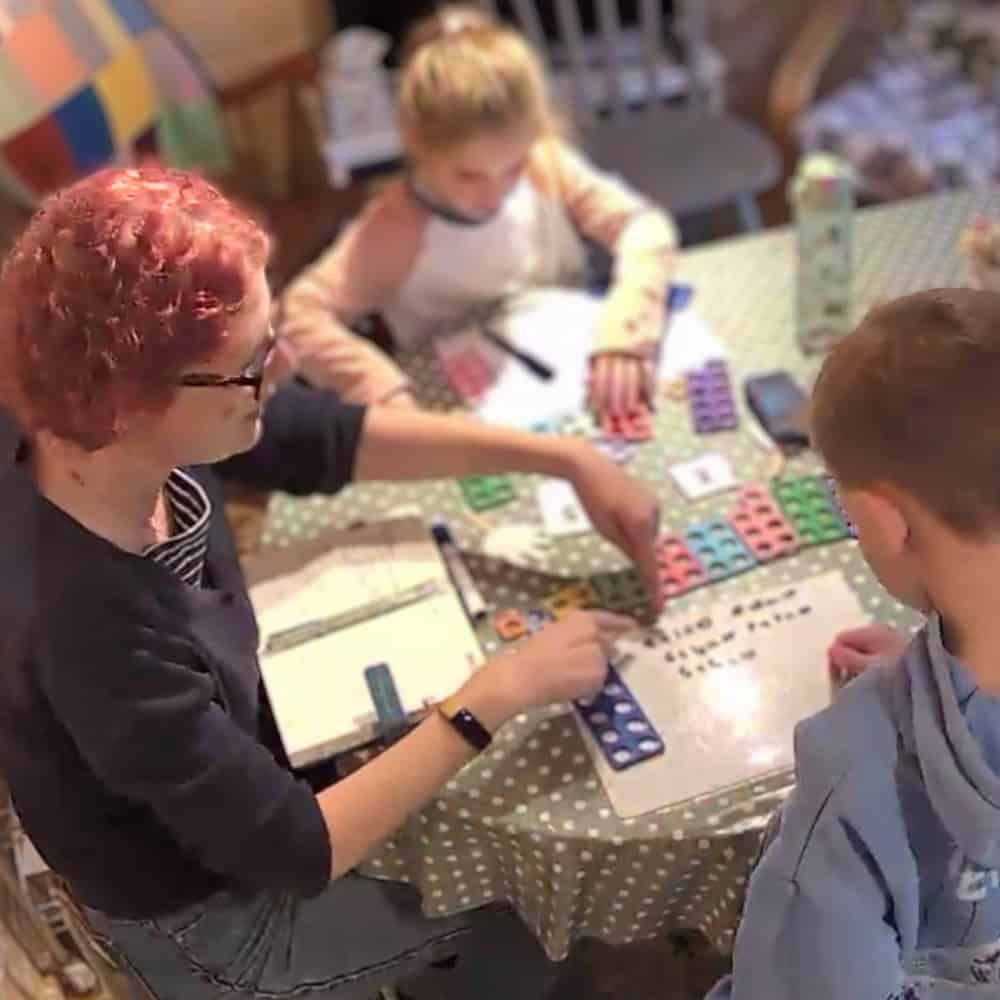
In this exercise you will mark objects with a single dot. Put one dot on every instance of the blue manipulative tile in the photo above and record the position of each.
(719, 549)
(619, 726)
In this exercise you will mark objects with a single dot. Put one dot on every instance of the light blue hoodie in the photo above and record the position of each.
(884, 879)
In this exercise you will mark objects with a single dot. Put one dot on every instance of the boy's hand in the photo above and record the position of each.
(618, 383)
(855, 650)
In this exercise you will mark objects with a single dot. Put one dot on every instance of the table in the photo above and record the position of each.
(529, 822)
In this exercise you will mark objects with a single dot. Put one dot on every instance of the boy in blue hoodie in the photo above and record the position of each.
(884, 878)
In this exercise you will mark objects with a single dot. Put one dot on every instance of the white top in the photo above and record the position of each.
(530, 243)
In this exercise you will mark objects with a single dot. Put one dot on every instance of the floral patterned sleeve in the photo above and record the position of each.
(641, 236)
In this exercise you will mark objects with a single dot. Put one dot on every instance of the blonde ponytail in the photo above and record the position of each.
(463, 74)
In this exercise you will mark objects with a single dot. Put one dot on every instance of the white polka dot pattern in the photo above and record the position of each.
(529, 823)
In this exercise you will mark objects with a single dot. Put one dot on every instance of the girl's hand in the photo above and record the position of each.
(618, 383)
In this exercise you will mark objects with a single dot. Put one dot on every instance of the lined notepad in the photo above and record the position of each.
(317, 689)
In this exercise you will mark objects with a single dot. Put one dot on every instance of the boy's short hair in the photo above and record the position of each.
(912, 397)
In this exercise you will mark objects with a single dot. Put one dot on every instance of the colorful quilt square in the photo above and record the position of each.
(135, 15)
(40, 49)
(86, 40)
(11, 11)
(110, 29)
(86, 129)
(174, 73)
(128, 95)
(40, 157)
(20, 105)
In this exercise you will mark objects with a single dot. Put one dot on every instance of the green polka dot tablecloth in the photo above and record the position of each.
(529, 823)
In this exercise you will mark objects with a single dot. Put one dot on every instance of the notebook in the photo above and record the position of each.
(317, 688)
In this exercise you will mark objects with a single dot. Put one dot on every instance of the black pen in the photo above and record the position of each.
(536, 367)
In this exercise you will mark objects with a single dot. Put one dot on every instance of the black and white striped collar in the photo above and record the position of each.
(184, 552)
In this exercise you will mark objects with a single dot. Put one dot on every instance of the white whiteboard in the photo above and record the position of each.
(732, 720)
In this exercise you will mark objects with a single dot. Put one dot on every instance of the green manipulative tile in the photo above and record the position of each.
(812, 509)
(487, 492)
(620, 591)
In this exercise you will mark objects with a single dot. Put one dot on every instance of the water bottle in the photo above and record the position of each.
(822, 200)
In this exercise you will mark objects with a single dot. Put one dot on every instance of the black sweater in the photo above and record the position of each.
(130, 703)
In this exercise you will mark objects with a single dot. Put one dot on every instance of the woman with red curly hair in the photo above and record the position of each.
(136, 357)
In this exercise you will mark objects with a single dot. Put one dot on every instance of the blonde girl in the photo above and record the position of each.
(493, 202)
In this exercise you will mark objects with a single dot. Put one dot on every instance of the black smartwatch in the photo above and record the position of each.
(465, 723)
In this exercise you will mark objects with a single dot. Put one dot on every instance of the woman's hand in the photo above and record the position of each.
(618, 383)
(622, 510)
(565, 661)
(855, 650)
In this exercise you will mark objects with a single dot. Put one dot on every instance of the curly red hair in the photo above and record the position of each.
(117, 284)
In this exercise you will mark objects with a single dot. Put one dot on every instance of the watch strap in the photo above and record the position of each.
(465, 724)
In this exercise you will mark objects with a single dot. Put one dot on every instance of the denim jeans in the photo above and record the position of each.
(358, 936)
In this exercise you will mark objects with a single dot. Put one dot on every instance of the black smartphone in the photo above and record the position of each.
(782, 408)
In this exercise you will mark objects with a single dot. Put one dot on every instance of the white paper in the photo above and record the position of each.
(703, 476)
(518, 544)
(559, 327)
(562, 513)
(690, 344)
(733, 722)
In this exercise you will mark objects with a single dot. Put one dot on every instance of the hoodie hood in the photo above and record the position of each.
(952, 727)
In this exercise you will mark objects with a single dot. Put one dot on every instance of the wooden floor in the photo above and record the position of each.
(681, 968)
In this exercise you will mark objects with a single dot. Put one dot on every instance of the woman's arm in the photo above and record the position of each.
(143, 710)
(400, 445)
(564, 661)
(312, 443)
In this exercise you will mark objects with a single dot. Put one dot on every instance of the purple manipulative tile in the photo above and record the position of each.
(711, 399)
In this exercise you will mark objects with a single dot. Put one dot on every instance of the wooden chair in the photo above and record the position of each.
(688, 155)
(796, 81)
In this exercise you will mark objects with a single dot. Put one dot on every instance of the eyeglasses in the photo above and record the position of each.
(251, 376)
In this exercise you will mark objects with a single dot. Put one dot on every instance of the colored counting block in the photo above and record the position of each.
(835, 497)
(618, 450)
(711, 399)
(622, 591)
(619, 726)
(762, 525)
(576, 425)
(635, 425)
(469, 374)
(510, 625)
(486, 492)
(536, 619)
(680, 570)
(809, 505)
(577, 595)
(719, 549)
